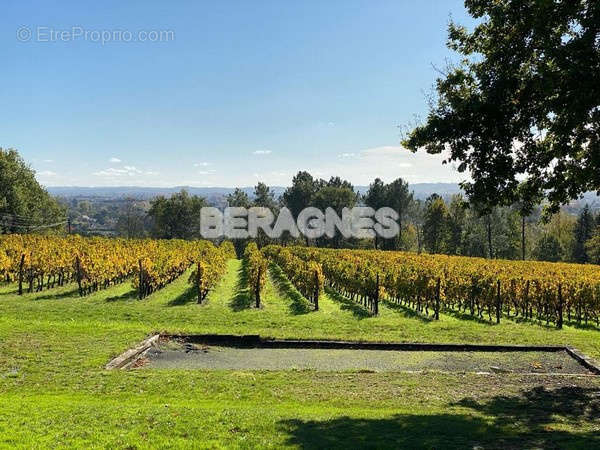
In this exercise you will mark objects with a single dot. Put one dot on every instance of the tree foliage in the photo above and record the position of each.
(24, 204)
(523, 102)
(395, 195)
(176, 217)
(584, 228)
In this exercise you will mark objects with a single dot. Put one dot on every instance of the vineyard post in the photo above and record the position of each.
(560, 307)
(498, 303)
(376, 305)
(78, 273)
(21, 274)
(316, 290)
(257, 287)
(527, 315)
(198, 282)
(437, 299)
(141, 279)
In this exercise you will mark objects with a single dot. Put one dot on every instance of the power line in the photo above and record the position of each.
(18, 217)
(21, 219)
(50, 225)
(11, 217)
(21, 223)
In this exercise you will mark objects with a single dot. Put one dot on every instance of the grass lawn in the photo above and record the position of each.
(55, 392)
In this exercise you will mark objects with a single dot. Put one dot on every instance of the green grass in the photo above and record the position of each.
(54, 391)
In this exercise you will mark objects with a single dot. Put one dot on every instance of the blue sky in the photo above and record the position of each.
(239, 91)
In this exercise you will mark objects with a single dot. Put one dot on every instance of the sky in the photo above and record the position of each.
(199, 93)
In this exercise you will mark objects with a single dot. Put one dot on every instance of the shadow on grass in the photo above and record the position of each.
(466, 316)
(298, 304)
(8, 289)
(537, 418)
(49, 295)
(187, 296)
(131, 294)
(346, 304)
(552, 325)
(242, 298)
(533, 322)
(405, 311)
(581, 326)
(538, 407)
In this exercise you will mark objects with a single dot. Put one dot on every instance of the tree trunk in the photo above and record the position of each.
(498, 303)
(78, 273)
(489, 236)
(437, 299)
(21, 274)
(257, 288)
(523, 236)
(399, 229)
(198, 283)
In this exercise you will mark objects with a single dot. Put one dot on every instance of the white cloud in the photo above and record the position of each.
(206, 172)
(261, 152)
(273, 178)
(47, 173)
(114, 160)
(49, 161)
(202, 164)
(389, 162)
(116, 172)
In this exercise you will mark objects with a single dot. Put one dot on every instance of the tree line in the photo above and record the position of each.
(450, 226)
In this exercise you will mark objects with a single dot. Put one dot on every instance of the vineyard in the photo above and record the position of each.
(306, 276)
(255, 266)
(56, 340)
(429, 284)
(38, 262)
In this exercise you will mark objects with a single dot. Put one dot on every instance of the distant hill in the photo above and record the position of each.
(216, 195)
(421, 191)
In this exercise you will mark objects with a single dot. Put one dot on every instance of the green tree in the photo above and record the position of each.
(301, 193)
(238, 198)
(548, 248)
(395, 195)
(131, 220)
(474, 236)
(593, 247)
(562, 227)
(582, 233)
(522, 104)
(376, 197)
(399, 198)
(24, 204)
(416, 217)
(336, 194)
(526, 205)
(435, 224)
(457, 216)
(176, 217)
(264, 198)
(507, 233)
